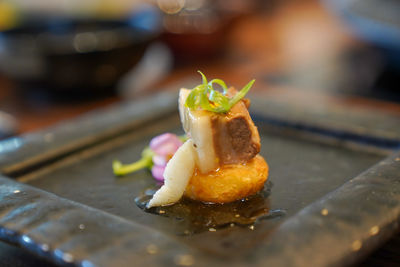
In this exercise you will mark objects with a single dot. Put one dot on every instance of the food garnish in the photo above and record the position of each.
(205, 97)
(154, 157)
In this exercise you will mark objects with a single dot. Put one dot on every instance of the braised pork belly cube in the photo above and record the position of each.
(220, 138)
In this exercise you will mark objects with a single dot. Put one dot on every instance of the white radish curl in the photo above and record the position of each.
(177, 174)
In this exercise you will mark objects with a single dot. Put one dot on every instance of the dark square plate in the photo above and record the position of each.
(332, 195)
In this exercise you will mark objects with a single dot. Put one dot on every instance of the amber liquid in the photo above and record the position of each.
(199, 217)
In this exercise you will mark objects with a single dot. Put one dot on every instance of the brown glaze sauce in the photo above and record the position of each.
(199, 217)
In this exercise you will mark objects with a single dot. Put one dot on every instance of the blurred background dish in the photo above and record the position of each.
(78, 54)
(375, 21)
(8, 125)
(195, 30)
(200, 29)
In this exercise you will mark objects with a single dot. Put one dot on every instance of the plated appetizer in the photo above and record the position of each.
(219, 161)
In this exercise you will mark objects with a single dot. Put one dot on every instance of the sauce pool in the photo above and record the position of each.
(200, 217)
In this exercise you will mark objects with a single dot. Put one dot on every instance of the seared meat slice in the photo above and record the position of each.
(236, 138)
(220, 138)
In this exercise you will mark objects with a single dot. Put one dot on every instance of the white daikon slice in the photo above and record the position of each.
(177, 174)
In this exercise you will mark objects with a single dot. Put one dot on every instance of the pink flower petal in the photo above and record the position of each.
(159, 160)
(158, 172)
(165, 144)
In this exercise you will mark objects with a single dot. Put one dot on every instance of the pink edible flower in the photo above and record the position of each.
(154, 157)
(164, 147)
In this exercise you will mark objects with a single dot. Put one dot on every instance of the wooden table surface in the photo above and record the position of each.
(296, 46)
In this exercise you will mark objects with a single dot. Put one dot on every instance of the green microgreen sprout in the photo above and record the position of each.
(204, 96)
(145, 162)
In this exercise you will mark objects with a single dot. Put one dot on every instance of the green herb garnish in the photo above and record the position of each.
(145, 162)
(204, 96)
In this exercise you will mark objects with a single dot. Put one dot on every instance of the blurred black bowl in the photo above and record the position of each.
(375, 21)
(75, 54)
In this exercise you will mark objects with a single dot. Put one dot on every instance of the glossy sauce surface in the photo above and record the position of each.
(199, 217)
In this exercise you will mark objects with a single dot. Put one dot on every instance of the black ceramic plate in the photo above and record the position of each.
(334, 193)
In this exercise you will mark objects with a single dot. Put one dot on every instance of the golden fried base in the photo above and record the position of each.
(229, 183)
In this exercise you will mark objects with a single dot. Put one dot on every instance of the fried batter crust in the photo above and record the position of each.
(229, 183)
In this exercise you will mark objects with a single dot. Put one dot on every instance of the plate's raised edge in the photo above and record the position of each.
(358, 125)
(343, 226)
(19, 153)
(71, 234)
